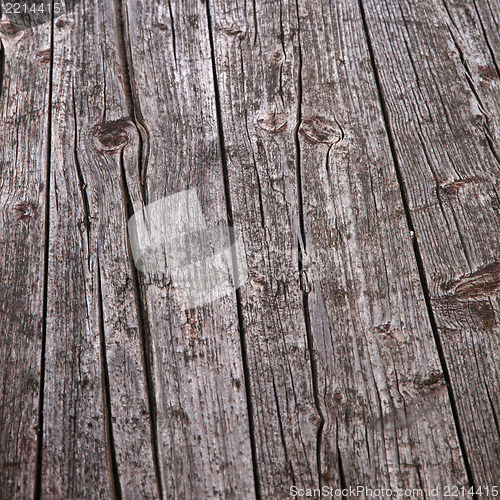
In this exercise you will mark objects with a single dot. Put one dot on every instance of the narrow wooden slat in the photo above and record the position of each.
(203, 429)
(97, 426)
(438, 104)
(256, 71)
(23, 160)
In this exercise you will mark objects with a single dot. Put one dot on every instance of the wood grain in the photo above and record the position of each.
(381, 380)
(446, 154)
(97, 434)
(23, 181)
(354, 145)
(257, 63)
(199, 382)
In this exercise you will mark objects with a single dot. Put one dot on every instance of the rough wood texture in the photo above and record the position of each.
(95, 401)
(199, 385)
(354, 145)
(381, 382)
(23, 181)
(256, 69)
(445, 149)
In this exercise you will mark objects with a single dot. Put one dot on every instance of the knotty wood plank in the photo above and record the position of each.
(97, 424)
(388, 420)
(204, 440)
(438, 102)
(256, 72)
(379, 380)
(23, 160)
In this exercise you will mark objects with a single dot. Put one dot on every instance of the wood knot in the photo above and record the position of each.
(384, 329)
(487, 72)
(338, 397)
(272, 122)
(160, 26)
(277, 56)
(112, 136)
(317, 129)
(429, 379)
(43, 56)
(9, 29)
(62, 23)
(477, 285)
(232, 30)
(25, 210)
(451, 186)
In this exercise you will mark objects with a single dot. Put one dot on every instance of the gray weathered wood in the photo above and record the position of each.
(203, 430)
(447, 155)
(357, 353)
(97, 435)
(374, 441)
(382, 384)
(23, 161)
(257, 63)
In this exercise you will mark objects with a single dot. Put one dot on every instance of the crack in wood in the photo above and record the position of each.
(133, 106)
(106, 396)
(143, 335)
(229, 213)
(40, 436)
(130, 93)
(301, 249)
(418, 257)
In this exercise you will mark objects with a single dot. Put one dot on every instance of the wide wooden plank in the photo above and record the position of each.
(203, 429)
(438, 108)
(257, 64)
(23, 182)
(355, 247)
(388, 420)
(97, 425)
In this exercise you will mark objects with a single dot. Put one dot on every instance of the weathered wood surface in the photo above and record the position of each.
(96, 406)
(355, 145)
(23, 164)
(204, 447)
(445, 150)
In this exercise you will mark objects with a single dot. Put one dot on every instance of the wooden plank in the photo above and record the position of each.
(388, 420)
(97, 425)
(384, 443)
(203, 429)
(23, 160)
(437, 106)
(256, 72)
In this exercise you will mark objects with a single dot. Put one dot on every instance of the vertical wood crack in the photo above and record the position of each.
(229, 213)
(106, 396)
(37, 492)
(129, 92)
(81, 179)
(343, 483)
(416, 249)
(301, 250)
(487, 41)
(172, 26)
(133, 107)
(144, 335)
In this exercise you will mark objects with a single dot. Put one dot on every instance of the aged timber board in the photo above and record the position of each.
(354, 146)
